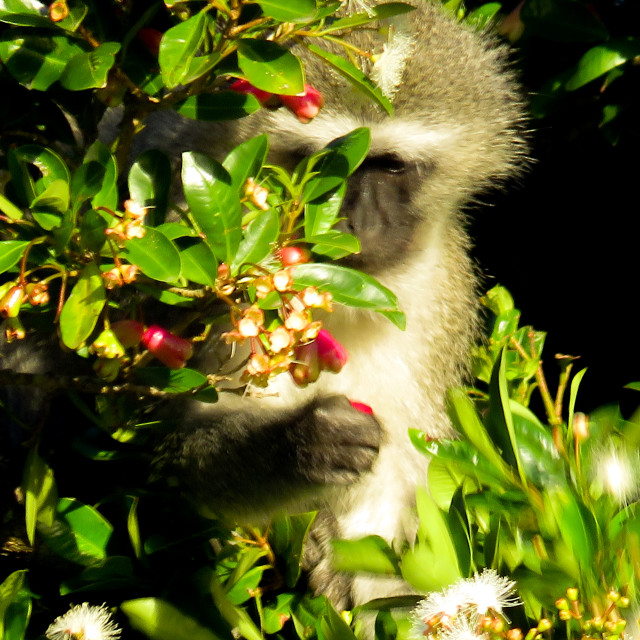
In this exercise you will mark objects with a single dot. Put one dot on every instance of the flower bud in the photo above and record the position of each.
(107, 345)
(37, 293)
(244, 86)
(580, 426)
(279, 340)
(305, 105)
(361, 407)
(291, 256)
(282, 280)
(572, 594)
(14, 330)
(58, 10)
(296, 321)
(565, 615)
(306, 366)
(128, 332)
(544, 624)
(173, 351)
(514, 634)
(331, 353)
(562, 604)
(11, 302)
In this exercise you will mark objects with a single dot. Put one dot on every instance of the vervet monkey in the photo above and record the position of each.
(456, 130)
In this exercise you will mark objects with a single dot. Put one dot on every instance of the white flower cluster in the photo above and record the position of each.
(457, 612)
(84, 622)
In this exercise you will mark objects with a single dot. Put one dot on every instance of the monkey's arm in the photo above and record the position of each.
(245, 464)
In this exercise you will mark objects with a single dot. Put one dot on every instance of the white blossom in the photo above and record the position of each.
(358, 6)
(84, 622)
(455, 612)
(389, 66)
(618, 470)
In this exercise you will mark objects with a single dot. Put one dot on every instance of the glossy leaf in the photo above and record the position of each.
(90, 70)
(334, 244)
(155, 255)
(86, 182)
(79, 534)
(481, 17)
(15, 606)
(287, 535)
(36, 61)
(347, 286)
(83, 307)
(323, 212)
(199, 264)
(371, 554)
(259, 239)
(287, 11)
(159, 620)
(149, 184)
(246, 160)
(50, 164)
(222, 105)
(48, 207)
(107, 196)
(276, 614)
(9, 209)
(270, 67)
(10, 253)
(170, 380)
(92, 228)
(601, 59)
(40, 495)
(178, 49)
(214, 203)
(235, 616)
(358, 79)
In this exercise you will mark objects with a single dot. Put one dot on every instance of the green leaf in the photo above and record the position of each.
(92, 228)
(287, 11)
(287, 535)
(155, 255)
(90, 70)
(601, 59)
(371, 554)
(426, 570)
(334, 244)
(499, 421)
(82, 308)
(466, 420)
(9, 209)
(259, 239)
(79, 534)
(50, 204)
(159, 620)
(236, 617)
(178, 49)
(199, 264)
(358, 79)
(170, 380)
(345, 155)
(323, 212)
(275, 615)
(15, 606)
(222, 105)
(48, 162)
(36, 61)
(10, 253)
(214, 203)
(107, 196)
(333, 627)
(149, 183)
(246, 160)
(481, 17)
(270, 67)
(87, 182)
(347, 286)
(40, 494)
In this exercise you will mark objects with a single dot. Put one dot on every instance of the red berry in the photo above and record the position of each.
(331, 353)
(290, 256)
(305, 105)
(170, 349)
(150, 38)
(244, 86)
(361, 407)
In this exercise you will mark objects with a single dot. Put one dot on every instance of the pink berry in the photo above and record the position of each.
(331, 353)
(244, 86)
(361, 407)
(173, 351)
(305, 105)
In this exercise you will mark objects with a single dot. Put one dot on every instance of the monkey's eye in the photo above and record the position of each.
(387, 163)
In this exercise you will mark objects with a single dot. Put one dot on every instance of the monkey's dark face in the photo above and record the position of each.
(377, 210)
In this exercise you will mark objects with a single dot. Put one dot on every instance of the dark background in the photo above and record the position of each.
(565, 239)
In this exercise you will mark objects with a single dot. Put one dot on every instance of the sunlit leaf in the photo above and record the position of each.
(155, 254)
(259, 238)
(270, 67)
(222, 105)
(371, 554)
(83, 307)
(10, 253)
(40, 495)
(287, 11)
(149, 184)
(90, 70)
(601, 59)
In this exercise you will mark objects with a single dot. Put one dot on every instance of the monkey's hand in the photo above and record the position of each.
(246, 463)
(335, 442)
